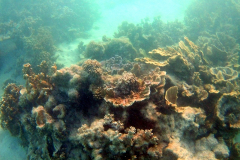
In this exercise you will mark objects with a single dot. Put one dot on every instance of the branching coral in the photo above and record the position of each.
(38, 86)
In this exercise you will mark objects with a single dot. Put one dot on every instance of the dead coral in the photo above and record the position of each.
(122, 47)
(182, 148)
(68, 77)
(40, 47)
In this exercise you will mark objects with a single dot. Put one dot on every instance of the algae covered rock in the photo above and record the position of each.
(117, 46)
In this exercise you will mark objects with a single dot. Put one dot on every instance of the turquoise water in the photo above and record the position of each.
(118, 79)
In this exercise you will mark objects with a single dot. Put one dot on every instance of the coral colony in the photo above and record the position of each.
(167, 105)
(167, 91)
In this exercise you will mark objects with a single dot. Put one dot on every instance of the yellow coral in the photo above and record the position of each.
(151, 62)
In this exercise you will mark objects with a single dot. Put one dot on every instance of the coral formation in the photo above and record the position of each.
(127, 90)
(10, 110)
(223, 74)
(171, 95)
(149, 35)
(228, 110)
(148, 93)
(168, 105)
(42, 117)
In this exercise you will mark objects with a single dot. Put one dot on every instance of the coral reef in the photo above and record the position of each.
(149, 35)
(138, 111)
(30, 31)
(148, 93)
(67, 20)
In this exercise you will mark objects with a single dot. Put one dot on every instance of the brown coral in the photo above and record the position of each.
(197, 94)
(42, 117)
(151, 62)
(127, 91)
(163, 54)
(10, 110)
(60, 111)
(228, 109)
(93, 68)
(223, 74)
(142, 142)
(171, 95)
(38, 85)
